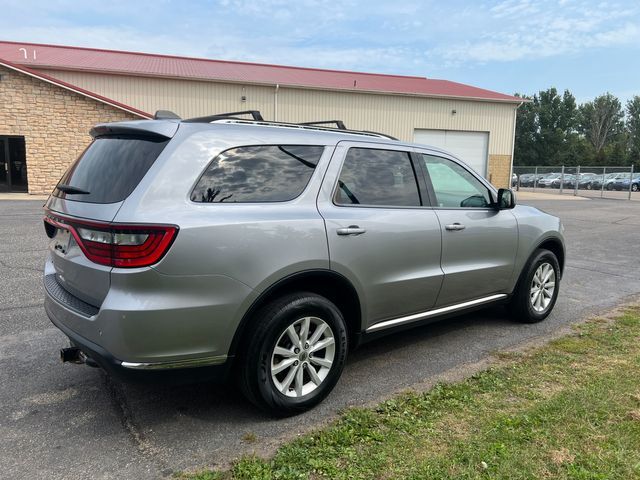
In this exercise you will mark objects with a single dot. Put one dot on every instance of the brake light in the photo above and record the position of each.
(119, 245)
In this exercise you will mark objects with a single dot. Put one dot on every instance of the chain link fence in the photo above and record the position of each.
(599, 182)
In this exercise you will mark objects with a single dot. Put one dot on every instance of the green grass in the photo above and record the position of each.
(568, 410)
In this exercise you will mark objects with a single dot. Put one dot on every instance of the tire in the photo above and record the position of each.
(522, 307)
(589, 186)
(634, 187)
(257, 377)
(609, 187)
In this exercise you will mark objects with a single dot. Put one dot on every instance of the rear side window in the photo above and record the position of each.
(109, 169)
(377, 177)
(265, 173)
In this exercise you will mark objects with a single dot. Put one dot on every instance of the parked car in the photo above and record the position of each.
(514, 180)
(622, 183)
(536, 179)
(615, 179)
(586, 180)
(553, 180)
(597, 183)
(221, 247)
(526, 179)
(569, 181)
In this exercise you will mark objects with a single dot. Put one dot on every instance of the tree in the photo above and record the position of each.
(546, 129)
(601, 121)
(552, 130)
(525, 152)
(633, 129)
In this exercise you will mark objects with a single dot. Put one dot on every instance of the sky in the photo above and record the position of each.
(588, 47)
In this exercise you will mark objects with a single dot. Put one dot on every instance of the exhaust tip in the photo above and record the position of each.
(71, 354)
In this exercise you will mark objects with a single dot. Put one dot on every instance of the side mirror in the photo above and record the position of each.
(506, 199)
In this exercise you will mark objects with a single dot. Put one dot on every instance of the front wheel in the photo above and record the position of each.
(537, 289)
(295, 355)
(634, 187)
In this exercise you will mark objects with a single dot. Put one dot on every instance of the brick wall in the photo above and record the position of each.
(54, 121)
(499, 170)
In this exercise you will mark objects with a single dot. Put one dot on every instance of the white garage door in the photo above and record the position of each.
(470, 147)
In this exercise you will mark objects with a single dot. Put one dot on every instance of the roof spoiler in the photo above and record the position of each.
(140, 127)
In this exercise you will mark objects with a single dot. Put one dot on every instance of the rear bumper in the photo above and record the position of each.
(123, 371)
(153, 326)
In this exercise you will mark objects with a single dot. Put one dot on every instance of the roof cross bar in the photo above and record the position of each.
(257, 116)
(338, 123)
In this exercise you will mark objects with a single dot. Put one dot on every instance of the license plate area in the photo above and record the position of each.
(61, 241)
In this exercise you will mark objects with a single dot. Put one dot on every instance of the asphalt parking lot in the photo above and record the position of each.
(67, 421)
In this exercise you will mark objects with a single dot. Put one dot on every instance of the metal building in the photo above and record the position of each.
(77, 87)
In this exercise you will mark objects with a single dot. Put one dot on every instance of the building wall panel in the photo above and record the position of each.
(397, 115)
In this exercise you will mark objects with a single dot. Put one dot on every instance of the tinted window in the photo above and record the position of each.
(110, 168)
(454, 186)
(377, 177)
(257, 174)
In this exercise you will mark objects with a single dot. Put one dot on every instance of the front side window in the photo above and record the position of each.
(454, 186)
(377, 178)
(265, 173)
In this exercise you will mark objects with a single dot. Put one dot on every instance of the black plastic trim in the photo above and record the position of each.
(59, 294)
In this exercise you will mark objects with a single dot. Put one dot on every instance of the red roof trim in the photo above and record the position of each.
(288, 85)
(120, 62)
(73, 88)
(213, 60)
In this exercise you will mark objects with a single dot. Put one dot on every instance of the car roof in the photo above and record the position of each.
(258, 132)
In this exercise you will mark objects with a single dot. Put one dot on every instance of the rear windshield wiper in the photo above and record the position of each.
(72, 190)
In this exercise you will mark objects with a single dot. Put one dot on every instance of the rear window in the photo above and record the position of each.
(265, 173)
(110, 168)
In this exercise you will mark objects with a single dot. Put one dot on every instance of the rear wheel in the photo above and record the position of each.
(295, 355)
(537, 290)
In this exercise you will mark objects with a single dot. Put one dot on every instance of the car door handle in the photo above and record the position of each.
(455, 226)
(351, 230)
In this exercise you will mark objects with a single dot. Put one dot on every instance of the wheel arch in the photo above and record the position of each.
(555, 246)
(328, 283)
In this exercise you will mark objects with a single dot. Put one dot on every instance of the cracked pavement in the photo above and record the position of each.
(66, 421)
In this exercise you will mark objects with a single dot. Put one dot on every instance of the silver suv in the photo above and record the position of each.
(217, 247)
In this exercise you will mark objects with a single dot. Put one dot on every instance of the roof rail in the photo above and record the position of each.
(339, 123)
(257, 119)
(303, 126)
(257, 116)
(166, 115)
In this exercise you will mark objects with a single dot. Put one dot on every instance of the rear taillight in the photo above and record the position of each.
(119, 245)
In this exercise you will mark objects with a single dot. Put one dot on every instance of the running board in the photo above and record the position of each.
(432, 313)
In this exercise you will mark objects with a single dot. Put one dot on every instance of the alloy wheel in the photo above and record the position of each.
(542, 287)
(303, 357)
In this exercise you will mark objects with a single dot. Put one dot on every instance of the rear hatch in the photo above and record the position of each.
(79, 212)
